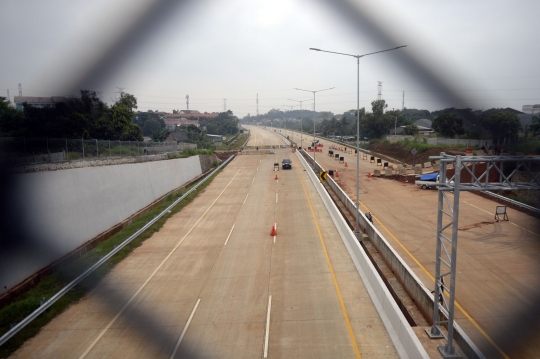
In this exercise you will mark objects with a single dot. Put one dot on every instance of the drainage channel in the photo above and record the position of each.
(404, 301)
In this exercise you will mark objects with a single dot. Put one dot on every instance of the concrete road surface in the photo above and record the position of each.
(213, 283)
(498, 262)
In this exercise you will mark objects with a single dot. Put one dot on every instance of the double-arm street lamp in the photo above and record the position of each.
(314, 92)
(357, 229)
(301, 138)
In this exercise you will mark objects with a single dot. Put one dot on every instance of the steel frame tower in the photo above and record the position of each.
(379, 91)
(447, 224)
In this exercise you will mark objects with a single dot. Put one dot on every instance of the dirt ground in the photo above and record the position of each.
(404, 154)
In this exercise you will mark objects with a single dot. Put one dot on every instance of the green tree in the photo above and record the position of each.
(378, 123)
(448, 125)
(11, 120)
(411, 130)
(535, 126)
(502, 125)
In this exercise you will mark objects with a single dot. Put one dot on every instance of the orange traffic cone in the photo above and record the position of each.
(346, 165)
(276, 178)
(337, 174)
(273, 232)
(369, 174)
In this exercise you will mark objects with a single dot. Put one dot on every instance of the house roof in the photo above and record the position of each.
(423, 122)
(511, 110)
(177, 136)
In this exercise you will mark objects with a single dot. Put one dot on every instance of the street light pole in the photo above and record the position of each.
(357, 228)
(314, 92)
(301, 139)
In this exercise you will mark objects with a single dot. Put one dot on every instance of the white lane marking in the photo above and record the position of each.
(257, 168)
(229, 236)
(185, 329)
(246, 198)
(253, 180)
(83, 355)
(477, 207)
(525, 229)
(276, 197)
(275, 227)
(267, 332)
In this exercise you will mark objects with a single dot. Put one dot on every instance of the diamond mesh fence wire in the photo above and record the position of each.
(21, 151)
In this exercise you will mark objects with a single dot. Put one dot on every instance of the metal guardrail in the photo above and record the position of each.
(513, 202)
(86, 273)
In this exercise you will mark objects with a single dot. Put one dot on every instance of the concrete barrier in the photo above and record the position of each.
(412, 284)
(64, 209)
(400, 332)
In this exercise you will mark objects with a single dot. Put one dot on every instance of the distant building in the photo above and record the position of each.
(173, 120)
(531, 109)
(424, 126)
(189, 112)
(39, 102)
(177, 136)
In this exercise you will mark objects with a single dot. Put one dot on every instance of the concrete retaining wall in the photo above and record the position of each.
(62, 210)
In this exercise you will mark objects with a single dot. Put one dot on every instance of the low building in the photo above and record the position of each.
(531, 109)
(173, 120)
(423, 124)
(39, 102)
(177, 136)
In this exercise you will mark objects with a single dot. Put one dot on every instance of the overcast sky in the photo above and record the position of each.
(479, 54)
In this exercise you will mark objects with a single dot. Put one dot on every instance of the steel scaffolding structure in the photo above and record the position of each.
(520, 176)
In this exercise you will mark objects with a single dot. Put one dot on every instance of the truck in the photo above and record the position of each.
(427, 180)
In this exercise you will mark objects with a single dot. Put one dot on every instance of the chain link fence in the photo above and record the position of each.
(14, 150)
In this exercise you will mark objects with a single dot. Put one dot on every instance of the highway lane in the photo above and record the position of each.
(498, 262)
(206, 285)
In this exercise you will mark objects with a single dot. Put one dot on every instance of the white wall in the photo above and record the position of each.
(64, 209)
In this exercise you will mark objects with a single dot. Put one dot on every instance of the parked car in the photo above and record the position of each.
(428, 180)
(286, 164)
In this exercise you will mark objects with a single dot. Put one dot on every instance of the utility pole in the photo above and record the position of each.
(20, 90)
(224, 105)
(257, 107)
(187, 102)
(403, 103)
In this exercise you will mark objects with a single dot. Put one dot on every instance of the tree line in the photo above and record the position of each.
(85, 117)
(503, 125)
(89, 117)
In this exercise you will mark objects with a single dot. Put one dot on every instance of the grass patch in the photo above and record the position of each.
(188, 152)
(235, 145)
(51, 284)
(528, 146)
